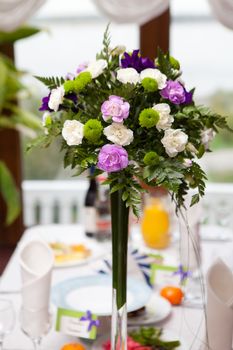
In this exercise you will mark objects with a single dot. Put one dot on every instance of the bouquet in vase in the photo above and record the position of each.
(133, 118)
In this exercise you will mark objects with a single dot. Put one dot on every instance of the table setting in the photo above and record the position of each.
(118, 283)
(26, 285)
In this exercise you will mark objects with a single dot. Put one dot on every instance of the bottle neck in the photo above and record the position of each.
(93, 184)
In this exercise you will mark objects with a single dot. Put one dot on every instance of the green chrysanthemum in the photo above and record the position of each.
(69, 86)
(82, 80)
(175, 64)
(148, 118)
(93, 130)
(151, 158)
(150, 84)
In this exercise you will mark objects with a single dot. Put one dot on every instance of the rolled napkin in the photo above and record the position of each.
(36, 263)
(219, 306)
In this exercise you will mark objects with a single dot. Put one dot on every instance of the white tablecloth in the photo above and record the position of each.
(186, 323)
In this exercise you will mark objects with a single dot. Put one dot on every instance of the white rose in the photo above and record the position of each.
(165, 119)
(128, 75)
(96, 68)
(56, 98)
(174, 141)
(72, 132)
(118, 134)
(154, 74)
(207, 136)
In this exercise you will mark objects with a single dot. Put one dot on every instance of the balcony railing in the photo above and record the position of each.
(48, 202)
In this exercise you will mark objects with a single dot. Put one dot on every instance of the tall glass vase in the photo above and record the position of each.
(120, 218)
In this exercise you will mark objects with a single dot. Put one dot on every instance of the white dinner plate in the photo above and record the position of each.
(94, 293)
(157, 309)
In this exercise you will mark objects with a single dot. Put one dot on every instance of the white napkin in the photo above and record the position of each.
(219, 306)
(36, 263)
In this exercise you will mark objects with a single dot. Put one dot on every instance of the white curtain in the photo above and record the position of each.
(137, 11)
(14, 13)
(223, 10)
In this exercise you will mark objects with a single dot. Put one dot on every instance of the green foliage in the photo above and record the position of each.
(105, 52)
(165, 64)
(151, 337)
(9, 193)
(19, 33)
(51, 82)
(13, 116)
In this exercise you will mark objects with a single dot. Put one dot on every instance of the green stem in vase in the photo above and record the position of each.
(120, 216)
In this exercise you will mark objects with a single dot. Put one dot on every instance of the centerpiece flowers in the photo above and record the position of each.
(133, 118)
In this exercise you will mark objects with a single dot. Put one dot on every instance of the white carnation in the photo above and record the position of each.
(207, 136)
(96, 68)
(118, 134)
(154, 74)
(174, 141)
(128, 75)
(56, 98)
(72, 132)
(165, 119)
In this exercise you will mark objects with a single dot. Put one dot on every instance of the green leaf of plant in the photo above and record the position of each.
(51, 82)
(20, 33)
(9, 193)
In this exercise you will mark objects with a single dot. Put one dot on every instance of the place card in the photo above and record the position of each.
(167, 274)
(76, 323)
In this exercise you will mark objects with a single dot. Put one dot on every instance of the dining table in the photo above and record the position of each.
(185, 321)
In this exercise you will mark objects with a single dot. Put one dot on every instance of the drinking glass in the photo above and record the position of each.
(7, 319)
(35, 324)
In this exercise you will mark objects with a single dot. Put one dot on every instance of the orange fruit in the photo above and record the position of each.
(76, 346)
(172, 294)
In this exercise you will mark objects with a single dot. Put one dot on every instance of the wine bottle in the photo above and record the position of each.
(90, 207)
(103, 216)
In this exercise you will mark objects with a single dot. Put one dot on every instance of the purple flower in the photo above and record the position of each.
(112, 158)
(70, 76)
(135, 61)
(45, 104)
(81, 67)
(188, 97)
(116, 108)
(174, 92)
(71, 96)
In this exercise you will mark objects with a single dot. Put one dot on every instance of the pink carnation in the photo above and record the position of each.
(112, 158)
(116, 108)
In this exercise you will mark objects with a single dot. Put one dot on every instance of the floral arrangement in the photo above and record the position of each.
(133, 118)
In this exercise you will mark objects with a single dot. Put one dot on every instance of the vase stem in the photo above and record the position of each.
(119, 326)
(120, 215)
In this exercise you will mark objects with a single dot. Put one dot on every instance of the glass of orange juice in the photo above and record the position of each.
(155, 223)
